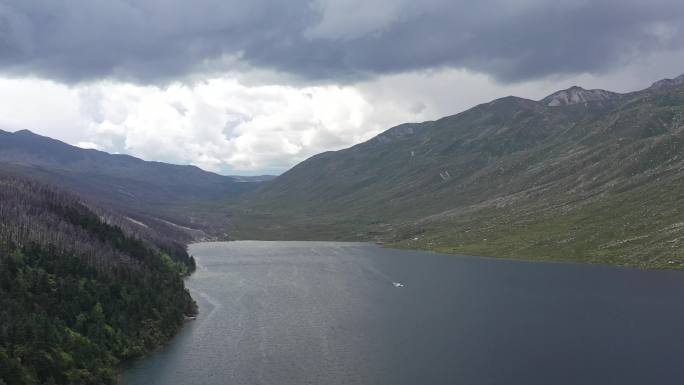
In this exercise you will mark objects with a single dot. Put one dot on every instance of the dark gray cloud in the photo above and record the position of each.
(340, 40)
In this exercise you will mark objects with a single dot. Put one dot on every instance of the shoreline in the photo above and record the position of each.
(124, 365)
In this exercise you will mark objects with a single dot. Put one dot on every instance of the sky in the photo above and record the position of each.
(254, 87)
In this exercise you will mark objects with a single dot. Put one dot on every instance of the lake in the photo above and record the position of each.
(295, 313)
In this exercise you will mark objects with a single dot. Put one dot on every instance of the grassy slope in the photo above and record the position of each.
(624, 229)
(597, 183)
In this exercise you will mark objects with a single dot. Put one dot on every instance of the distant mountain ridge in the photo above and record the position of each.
(576, 94)
(582, 175)
(27, 148)
(141, 188)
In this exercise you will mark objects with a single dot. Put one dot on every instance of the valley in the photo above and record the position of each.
(341, 192)
(581, 176)
(584, 176)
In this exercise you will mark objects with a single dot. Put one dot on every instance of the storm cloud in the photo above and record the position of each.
(157, 41)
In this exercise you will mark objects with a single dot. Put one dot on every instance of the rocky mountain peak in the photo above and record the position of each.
(576, 95)
(667, 83)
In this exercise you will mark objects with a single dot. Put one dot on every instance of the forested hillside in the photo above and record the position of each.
(81, 289)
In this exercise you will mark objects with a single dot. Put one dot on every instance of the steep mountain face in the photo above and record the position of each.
(595, 176)
(149, 191)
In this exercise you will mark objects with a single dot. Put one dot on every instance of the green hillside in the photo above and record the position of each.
(583, 175)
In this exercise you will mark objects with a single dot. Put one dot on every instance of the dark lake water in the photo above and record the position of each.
(295, 313)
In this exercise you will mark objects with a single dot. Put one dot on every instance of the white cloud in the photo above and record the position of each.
(231, 125)
(219, 124)
(89, 145)
(41, 106)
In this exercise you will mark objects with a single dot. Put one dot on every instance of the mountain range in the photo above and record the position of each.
(581, 175)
